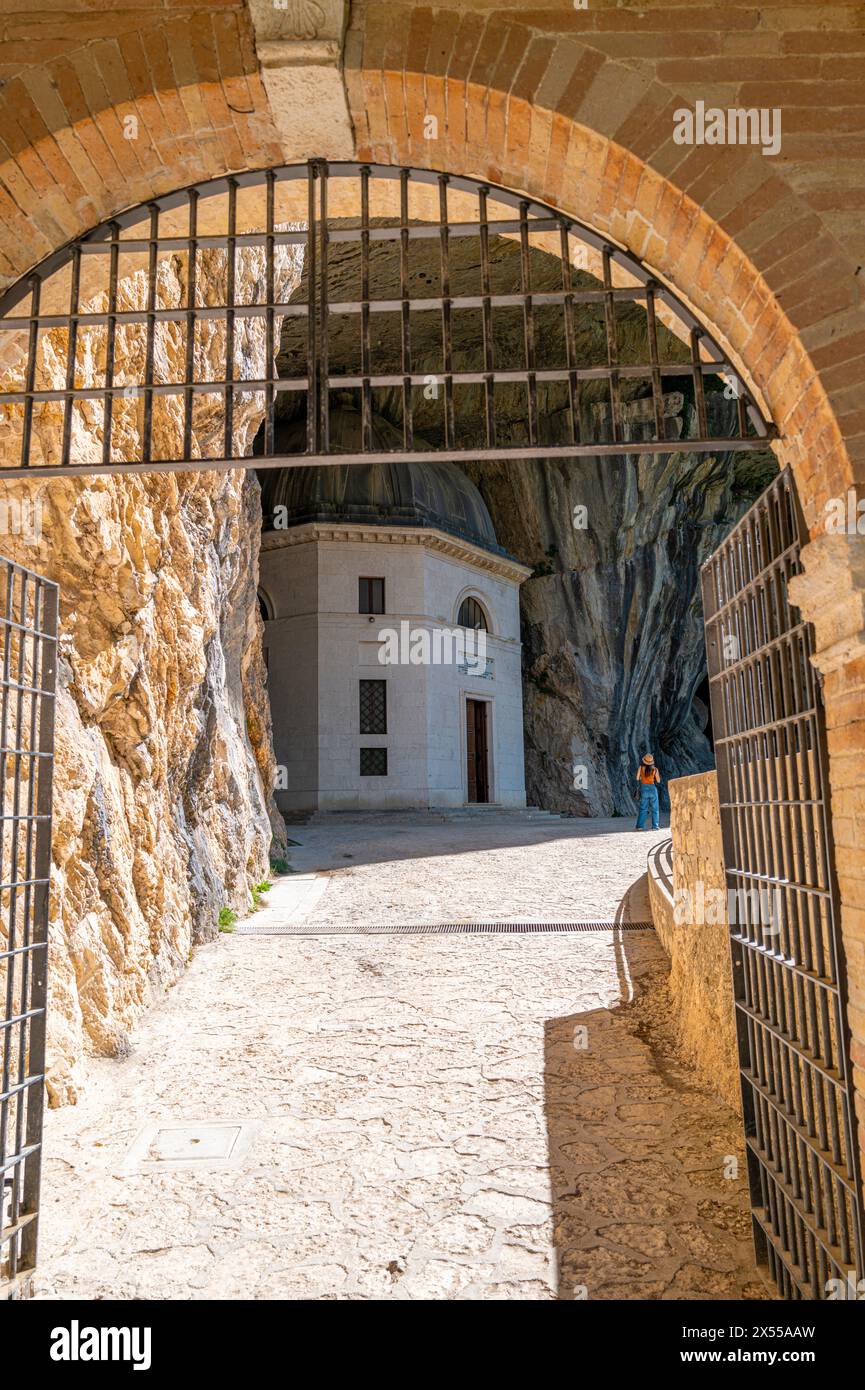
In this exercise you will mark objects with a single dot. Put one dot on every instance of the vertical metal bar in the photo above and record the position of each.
(26, 918)
(447, 346)
(191, 296)
(229, 318)
(570, 336)
(270, 291)
(366, 393)
(741, 415)
(405, 314)
(324, 369)
(699, 384)
(612, 344)
(147, 429)
(312, 409)
(654, 361)
(71, 353)
(528, 322)
(30, 376)
(14, 873)
(42, 873)
(5, 742)
(487, 320)
(110, 342)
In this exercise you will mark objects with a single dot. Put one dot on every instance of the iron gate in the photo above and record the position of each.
(28, 630)
(787, 958)
(416, 286)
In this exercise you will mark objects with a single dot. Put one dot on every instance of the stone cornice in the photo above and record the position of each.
(428, 538)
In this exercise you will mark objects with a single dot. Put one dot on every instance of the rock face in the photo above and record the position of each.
(162, 804)
(613, 655)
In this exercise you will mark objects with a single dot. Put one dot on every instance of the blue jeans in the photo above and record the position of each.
(648, 802)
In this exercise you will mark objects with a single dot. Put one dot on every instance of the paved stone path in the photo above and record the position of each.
(458, 1116)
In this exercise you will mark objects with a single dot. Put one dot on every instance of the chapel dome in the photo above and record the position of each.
(436, 494)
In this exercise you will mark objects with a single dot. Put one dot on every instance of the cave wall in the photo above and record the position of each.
(612, 624)
(163, 810)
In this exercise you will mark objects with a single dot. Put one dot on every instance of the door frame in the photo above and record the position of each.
(489, 700)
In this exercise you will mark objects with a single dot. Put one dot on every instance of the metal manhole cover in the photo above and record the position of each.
(190, 1144)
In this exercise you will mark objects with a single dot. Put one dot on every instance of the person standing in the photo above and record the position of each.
(648, 781)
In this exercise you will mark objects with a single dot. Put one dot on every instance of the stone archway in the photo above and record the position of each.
(568, 123)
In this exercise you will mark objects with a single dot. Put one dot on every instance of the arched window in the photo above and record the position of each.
(472, 615)
(265, 607)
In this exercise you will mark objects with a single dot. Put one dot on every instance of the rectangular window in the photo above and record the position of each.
(373, 762)
(370, 596)
(373, 707)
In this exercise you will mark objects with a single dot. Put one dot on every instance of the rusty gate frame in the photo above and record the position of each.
(623, 280)
(28, 632)
(789, 977)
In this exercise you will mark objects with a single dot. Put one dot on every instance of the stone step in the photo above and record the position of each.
(419, 817)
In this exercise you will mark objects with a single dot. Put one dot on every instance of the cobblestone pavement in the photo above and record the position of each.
(458, 1116)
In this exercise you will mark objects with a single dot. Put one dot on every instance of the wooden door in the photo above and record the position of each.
(477, 751)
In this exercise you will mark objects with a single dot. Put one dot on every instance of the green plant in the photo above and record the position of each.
(281, 866)
(258, 889)
(226, 919)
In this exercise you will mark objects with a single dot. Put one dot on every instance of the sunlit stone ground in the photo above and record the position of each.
(437, 1116)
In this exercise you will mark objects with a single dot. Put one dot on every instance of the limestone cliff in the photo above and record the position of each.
(162, 803)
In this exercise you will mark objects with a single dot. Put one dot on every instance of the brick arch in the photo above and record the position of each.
(59, 181)
(549, 113)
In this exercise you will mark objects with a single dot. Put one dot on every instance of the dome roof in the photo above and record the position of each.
(436, 494)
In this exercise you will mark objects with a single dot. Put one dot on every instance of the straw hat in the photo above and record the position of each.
(648, 759)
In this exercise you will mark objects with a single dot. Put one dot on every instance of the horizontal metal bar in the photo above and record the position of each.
(39, 580)
(756, 803)
(558, 451)
(16, 1090)
(213, 312)
(210, 242)
(791, 552)
(819, 981)
(427, 231)
(14, 1160)
(786, 1119)
(555, 298)
(15, 1019)
(798, 1275)
(24, 627)
(781, 882)
(341, 383)
(24, 950)
(171, 388)
(804, 1054)
(10, 1233)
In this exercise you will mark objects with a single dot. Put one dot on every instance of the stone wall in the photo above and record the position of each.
(163, 811)
(700, 979)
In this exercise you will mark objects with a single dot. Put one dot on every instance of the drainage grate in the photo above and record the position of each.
(442, 928)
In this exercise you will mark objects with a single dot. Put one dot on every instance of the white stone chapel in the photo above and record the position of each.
(392, 640)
